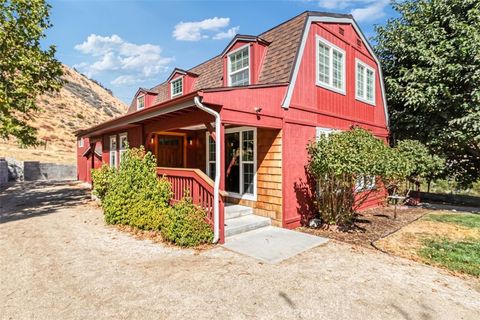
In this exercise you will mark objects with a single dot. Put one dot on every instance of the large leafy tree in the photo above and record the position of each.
(431, 61)
(26, 69)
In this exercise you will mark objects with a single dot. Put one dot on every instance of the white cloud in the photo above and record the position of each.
(230, 33)
(194, 31)
(362, 10)
(127, 60)
(125, 81)
(371, 11)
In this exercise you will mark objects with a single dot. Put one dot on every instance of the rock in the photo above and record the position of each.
(315, 223)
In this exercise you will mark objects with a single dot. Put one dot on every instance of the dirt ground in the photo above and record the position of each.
(371, 225)
(59, 261)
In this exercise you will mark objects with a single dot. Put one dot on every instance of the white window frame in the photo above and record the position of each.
(363, 185)
(241, 195)
(138, 104)
(208, 160)
(121, 149)
(366, 67)
(80, 143)
(171, 87)
(113, 151)
(329, 85)
(229, 72)
(321, 131)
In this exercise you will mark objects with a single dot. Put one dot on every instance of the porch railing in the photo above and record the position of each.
(200, 188)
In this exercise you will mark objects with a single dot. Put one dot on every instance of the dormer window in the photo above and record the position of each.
(140, 102)
(176, 87)
(239, 67)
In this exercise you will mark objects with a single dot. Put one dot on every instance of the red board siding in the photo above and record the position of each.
(334, 109)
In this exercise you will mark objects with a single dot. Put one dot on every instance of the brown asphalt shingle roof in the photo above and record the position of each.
(277, 67)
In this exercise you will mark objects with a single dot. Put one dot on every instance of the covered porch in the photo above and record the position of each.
(211, 150)
(249, 162)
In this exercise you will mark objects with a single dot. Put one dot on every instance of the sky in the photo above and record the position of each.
(130, 44)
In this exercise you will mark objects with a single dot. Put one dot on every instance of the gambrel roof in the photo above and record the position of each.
(283, 44)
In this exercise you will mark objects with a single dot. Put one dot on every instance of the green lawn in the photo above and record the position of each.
(456, 255)
(460, 256)
(465, 220)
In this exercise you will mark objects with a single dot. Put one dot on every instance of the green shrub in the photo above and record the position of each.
(339, 161)
(185, 225)
(136, 197)
(101, 179)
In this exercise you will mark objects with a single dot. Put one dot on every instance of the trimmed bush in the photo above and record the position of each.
(185, 225)
(135, 196)
(101, 179)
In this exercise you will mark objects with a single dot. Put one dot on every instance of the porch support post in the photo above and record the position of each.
(221, 163)
(210, 130)
(218, 226)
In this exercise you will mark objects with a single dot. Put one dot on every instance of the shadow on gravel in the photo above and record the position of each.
(32, 199)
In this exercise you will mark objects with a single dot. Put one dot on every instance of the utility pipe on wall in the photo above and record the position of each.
(216, 189)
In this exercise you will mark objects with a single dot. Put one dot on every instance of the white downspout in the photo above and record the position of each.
(216, 189)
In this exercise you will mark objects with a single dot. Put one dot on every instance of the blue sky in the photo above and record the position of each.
(130, 44)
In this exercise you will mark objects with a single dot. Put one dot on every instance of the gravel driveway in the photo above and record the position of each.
(59, 261)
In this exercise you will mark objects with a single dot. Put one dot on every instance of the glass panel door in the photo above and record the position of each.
(232, 162)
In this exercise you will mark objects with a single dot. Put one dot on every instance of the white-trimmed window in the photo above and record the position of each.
(210, 157)
(123, 140)
(238, 65)
(322, 132)
(80, 142)
(330, 66)
(176, 87)
(113, 151)
(140, 102)
(364, 82)
(365, 183)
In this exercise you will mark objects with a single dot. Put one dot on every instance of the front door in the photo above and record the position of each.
(232, 162)
(170, 151)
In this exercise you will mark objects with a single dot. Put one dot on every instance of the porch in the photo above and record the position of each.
(250, 179)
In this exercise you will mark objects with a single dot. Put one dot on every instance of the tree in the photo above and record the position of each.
(430, 56)
(26, 70)
(425, 166)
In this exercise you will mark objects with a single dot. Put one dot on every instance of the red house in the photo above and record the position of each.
(234, 129)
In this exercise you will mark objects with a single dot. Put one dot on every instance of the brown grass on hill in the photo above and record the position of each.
(81, 103)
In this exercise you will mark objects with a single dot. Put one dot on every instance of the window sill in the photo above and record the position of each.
(372, 103)
(330, 88)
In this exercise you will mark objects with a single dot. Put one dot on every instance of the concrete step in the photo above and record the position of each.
(233, 211)
(245, 223)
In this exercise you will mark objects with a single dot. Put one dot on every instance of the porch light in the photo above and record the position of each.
(152, 140)
(190, 141)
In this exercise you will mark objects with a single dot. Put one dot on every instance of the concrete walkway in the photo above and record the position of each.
(272, 244)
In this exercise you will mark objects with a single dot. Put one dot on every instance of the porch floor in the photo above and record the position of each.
(271, 244)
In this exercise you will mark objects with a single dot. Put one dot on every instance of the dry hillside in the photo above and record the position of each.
(81, 103)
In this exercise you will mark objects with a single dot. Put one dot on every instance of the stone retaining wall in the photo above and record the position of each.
(35, 170)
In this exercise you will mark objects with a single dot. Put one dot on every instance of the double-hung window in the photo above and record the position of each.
(330, 66)
(113, 151)
(239, 67)
(176, 87)
(365, 83)
(123, 145)
(80, 142)
(364, 183)
(211, 157)
(140, 102)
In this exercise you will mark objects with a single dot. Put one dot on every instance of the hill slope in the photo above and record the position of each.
(81, 103)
